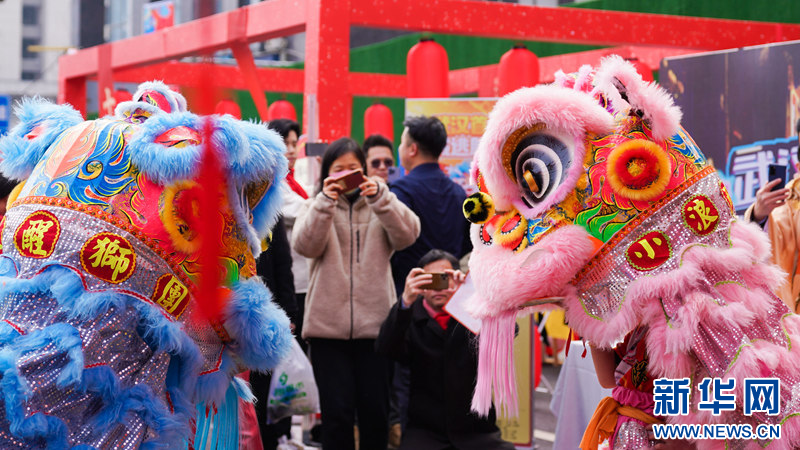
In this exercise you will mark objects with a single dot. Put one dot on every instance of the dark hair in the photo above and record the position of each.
(429, 134)
(339, 147)
(438, 255)
(6, 186)
(376, 140)
(284, 126)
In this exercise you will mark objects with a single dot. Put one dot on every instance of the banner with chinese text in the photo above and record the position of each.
(741, 107)
(465, 120)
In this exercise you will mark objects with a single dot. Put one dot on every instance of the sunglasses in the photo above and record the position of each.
(376, 163)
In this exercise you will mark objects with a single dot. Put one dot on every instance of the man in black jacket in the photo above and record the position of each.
(442, 357)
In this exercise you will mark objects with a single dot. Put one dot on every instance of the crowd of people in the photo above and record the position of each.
(390, 373)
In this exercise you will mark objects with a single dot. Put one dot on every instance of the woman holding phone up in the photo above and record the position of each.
(349, 231)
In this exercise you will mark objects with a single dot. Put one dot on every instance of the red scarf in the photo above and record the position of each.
(441, 318)
(294, 185)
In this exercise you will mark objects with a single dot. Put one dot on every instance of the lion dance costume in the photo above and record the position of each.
(592, 195)
(100, 343)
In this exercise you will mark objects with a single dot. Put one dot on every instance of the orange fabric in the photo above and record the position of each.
(782, 227)
(604, 422)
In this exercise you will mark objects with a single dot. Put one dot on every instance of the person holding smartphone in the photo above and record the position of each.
(349, 231)
(443, 360)
(777, 209)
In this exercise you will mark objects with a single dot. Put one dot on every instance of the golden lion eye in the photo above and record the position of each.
(536, 161)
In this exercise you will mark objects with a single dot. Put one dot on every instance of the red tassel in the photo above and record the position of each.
(210, 297)
(569, 343)
(583, 355)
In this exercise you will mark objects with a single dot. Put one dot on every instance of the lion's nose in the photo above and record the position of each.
(478, 208)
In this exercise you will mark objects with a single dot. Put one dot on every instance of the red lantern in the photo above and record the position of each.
(427, 70)
(228, 107)
(122, 96)
(281, 109)
(643, 69)
(378, 120)
(519, 67)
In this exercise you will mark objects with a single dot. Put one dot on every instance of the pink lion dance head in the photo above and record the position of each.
(592, 196)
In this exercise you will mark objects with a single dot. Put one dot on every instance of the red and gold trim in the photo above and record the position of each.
(700, 215)
(108, 256)
(649, 251)
(611, 244)
(171, 295)
(38, 234)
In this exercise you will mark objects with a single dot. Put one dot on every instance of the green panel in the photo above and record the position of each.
(787, 11)
(462, 52)
(249, 111)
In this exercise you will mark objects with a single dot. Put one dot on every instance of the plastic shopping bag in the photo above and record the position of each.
(292, 390)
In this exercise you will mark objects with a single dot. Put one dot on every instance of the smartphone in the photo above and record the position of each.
(777, 172)
(349, 180)
(395, 173)
(316, 148)
(439, 282)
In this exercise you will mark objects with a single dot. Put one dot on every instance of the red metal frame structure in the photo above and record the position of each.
(328, 84)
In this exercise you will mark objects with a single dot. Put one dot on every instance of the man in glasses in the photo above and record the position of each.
(380, 158)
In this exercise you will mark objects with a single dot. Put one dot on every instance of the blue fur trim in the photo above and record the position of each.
(266, 212)
(100, 380)
(162, 334)
(8, 267)
(211, 387)
(243, 390)
(265, 152)
(14, 388)
(230, 141)
(265, 160)
(176, 100)
(259, 328)
(7, 333)
(140, 399)
(15, 393)
(242, 216)
(19, 155)
(161, 164)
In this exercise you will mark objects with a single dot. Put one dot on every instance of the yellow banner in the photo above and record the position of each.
(465, 121)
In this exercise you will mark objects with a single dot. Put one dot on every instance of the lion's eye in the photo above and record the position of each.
(539, 164)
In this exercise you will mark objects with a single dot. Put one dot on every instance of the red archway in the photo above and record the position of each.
(329, 86)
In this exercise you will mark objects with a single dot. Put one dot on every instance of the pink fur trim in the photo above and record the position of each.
(564, 111)
(659, 110)
(503, 280)
(496, 371)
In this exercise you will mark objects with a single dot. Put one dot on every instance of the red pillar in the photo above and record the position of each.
(244, 57)
(326, 70)
(73, 91)
(105, 82)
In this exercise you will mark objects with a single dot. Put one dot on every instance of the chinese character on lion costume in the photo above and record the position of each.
(591, 195)
(101, 342)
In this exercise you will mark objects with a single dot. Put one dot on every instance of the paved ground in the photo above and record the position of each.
(544, 426)
(544, 422)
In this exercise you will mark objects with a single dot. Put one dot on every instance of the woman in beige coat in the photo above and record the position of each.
(349, 238)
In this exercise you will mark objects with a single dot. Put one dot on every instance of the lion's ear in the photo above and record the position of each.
(40, 123)
(619, 82)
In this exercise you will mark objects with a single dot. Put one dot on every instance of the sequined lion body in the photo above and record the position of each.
(601, 200)
(101, 345)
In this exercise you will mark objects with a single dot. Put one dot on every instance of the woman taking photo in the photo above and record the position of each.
(349, 238)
